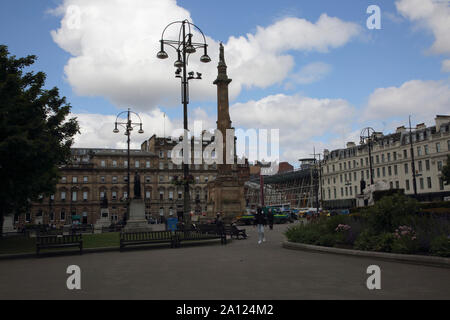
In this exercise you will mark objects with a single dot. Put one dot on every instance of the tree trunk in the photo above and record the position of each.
(1, 223)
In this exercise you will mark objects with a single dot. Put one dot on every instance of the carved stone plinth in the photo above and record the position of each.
(137, 221)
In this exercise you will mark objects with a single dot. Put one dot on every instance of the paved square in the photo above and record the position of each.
(240, 270)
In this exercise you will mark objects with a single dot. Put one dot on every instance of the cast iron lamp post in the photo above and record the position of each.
(184, 47)
(367, 134)
(129, 125)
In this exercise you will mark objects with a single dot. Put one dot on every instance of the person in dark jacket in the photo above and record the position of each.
(270, 218)
(260, 221)
(219, 224)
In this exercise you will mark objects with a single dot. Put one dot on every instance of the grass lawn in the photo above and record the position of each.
(11, 245)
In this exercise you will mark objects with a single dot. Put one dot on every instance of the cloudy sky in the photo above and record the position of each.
(311, 69)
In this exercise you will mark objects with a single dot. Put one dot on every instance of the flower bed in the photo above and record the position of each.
(392, 225)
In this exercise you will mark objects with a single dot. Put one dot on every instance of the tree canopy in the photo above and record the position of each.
(35, 134)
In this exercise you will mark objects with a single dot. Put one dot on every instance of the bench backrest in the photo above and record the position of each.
(54, 240)
(146, 236)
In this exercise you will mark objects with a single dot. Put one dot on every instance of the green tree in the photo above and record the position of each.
(446, 171)
(35, 136)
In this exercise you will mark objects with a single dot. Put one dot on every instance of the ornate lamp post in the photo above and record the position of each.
(184, 47)
(129, 125)
(413, 163)
(367, 135)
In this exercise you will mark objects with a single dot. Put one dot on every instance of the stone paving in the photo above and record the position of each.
(240, 270)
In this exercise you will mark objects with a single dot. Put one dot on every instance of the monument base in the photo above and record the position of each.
(137, 221)
(227, 197)
(103, 222)
(8, 224)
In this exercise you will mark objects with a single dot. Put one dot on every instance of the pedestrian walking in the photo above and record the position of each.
(260, 222)
(270, 218)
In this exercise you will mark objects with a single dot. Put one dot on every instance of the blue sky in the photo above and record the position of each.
(397, 60)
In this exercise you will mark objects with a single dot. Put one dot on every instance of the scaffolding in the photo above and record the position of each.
(299, 188)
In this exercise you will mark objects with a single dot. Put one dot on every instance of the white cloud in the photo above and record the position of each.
(302, 121)
(312, 72)
(96, 130)
(114, 46)
(423, 99)
(433, 15)
(446, 65)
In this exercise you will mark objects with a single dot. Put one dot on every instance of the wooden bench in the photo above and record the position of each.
(199, 235)
(233, 231)
(59, 241)
(148, 237)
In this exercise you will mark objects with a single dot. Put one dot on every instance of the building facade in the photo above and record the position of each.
(344, 169)
(94, 174)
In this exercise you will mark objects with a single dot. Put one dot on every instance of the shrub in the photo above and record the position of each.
(440, 246)
(384, 242)
(405, 240)
(390, 211)
(308, 234)
(327, 240)
(366, 241)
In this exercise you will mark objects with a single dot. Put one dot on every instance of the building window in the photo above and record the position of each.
(114, 195)
(147, 164)
(74, 179)
(103, 163)
(63, 179)
(114, 179)
(161, 154)
(395, 170)
(161, 195)
(114, 163)
(384, 171)
(85, 195)
(136, 164)
(161, 178)
(378, 172)
(63, 195)
(85, 179)
(28, 217)
(180, 195)
(125, 163)
(395, 156)
(441, 184)
(419, 150)
(405, 154)
(420, 166)
(389, 157)
(62, 215)
(427, 165)
(406, 168)
(170, 195)
(425, 147)
(148, 194)
(429, 182)
(390, 171)
(438, 147)
(102, 179)
(161, 166)
(422, 186)
(161, 211)
(439, 165)
(147, 179)
(397, 185)
(125, 195)
(407, 184)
